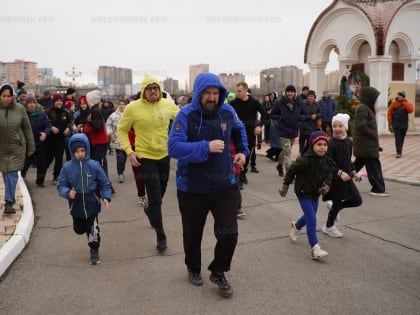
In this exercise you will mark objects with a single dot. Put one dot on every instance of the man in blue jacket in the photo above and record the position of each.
(288, 111)
(200, 140)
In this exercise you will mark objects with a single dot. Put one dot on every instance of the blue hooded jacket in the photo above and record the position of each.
(89, 180)
(199, 170)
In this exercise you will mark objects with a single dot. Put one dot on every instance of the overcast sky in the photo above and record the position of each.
(159, 37)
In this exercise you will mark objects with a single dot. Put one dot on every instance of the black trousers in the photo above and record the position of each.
(55, 150)
(399, 134)
(374, 172)
(40, 156)
(194, 209)
(89, 226)
(155, 176)
(121, 159)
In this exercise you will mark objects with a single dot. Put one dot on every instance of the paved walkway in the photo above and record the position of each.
(15, 229)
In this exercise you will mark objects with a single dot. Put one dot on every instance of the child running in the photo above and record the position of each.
(83, 182)
(343, 192)
(312, 171)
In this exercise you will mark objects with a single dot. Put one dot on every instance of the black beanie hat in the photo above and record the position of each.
(316, 136)
(290, 88)
(77, 144)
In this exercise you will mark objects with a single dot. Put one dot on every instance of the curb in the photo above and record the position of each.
(15, 245)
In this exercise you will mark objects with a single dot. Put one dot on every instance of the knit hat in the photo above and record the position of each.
(232, 95)
(68, 104)
(290, 88)
(47, 92)
(312, 92)
(57, 97)
(70, 90)
(82, 99)
(401, 93)
(77, 144)
(343, 118)
(93, 97)
(325, 91)
(30, 99)
(316, 136)
(20, 84)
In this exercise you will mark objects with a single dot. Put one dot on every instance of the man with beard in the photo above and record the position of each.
(150, 116)
(200, 140)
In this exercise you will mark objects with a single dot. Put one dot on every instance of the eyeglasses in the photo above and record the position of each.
(152, 87)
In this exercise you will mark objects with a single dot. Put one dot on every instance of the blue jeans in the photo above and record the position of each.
(309, 207)
(10, 181)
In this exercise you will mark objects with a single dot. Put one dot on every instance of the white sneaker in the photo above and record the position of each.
(293, 232)
(329, 204)
(142, 201)
(383, 194)
(317, 252)
(332, 231)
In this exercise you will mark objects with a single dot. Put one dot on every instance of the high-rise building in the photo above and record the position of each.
(115, 81)
(114, 76)
(230, 80)
(171, 86)
(21, 70)
(278, 78)
(196, 70)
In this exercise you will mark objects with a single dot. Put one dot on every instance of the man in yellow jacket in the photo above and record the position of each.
(150, 116)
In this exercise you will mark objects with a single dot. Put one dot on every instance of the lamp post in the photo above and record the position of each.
(73, 74)
(268, 78)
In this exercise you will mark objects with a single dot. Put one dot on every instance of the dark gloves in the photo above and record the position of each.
(283, 190)
(324, 189)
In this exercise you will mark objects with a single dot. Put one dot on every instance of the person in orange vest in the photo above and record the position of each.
(398, 119)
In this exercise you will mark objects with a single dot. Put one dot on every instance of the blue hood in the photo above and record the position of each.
(80, 137)
(203, 81)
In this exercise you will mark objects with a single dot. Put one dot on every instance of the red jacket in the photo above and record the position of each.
(96, 138)
(236, 168)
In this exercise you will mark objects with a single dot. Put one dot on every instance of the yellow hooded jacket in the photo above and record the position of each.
(150, 122)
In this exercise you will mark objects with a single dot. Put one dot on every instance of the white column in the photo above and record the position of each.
(380, 76)
(317, 77)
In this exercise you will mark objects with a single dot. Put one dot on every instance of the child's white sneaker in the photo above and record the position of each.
(329, 204)
(332, 231)
(293, 232)
(317, 252)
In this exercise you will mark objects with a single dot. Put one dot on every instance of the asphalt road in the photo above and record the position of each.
(374, 269)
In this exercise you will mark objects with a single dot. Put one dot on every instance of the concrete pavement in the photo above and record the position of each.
(372, 270)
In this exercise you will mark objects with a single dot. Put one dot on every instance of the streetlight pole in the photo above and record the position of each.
(73, 74)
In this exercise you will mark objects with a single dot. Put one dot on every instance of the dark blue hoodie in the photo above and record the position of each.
(199, 170)
(89, 180)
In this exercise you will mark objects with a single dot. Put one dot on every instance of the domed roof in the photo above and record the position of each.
(379, 12)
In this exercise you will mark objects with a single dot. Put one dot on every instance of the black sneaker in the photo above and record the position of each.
(218, 278)
(244, 179)
(94, 256)
(161, 245)
(254, 169)
(8, 208)
(195, 278)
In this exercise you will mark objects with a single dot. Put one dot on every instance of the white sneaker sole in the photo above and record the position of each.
(325, 231)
